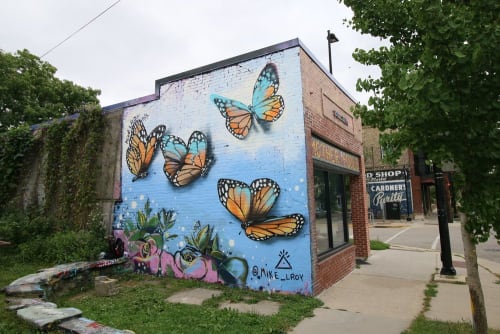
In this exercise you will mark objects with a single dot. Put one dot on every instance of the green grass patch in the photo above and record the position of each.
(429, 292)
(378, 245)
(13, 267)
(141, 306)
(422, 325)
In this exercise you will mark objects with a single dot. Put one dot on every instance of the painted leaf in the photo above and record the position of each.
(234, 270)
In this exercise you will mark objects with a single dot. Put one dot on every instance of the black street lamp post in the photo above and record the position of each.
(408, 218)
(444, 232)
(331, 39)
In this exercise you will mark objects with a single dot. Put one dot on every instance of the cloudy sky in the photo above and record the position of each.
(123, 51)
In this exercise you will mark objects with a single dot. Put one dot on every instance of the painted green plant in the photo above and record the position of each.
(203, 243)
(148, 226)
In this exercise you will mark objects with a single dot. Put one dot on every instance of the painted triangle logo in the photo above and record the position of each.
(283, 262)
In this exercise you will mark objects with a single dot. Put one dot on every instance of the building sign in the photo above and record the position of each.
(385, 175)
(341, 117)
(386, 186)
(335, 113)
(333, 155)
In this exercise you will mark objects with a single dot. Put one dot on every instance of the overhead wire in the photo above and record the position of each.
(80, 29)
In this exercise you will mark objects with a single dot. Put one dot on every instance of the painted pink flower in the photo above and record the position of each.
(147, 260)
(193, 264)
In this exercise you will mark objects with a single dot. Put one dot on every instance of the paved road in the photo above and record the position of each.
(426, 235)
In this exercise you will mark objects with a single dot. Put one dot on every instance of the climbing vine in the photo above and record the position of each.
(53, 167)
(72, 168)
(15, 145)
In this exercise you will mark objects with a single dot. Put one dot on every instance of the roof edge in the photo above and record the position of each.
(225, 63)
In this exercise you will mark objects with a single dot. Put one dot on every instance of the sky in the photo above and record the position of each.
(123, 51)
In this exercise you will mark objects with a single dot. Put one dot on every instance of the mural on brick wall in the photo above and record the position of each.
(142, 148)
(188, 212)
(200, 257)
(185, 163)
(266, 105)
(251, 205)
(386, 187)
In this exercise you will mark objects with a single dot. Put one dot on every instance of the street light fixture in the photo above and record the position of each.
(331, 38)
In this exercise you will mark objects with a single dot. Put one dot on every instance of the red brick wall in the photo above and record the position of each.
(319, 91)
(333, 268)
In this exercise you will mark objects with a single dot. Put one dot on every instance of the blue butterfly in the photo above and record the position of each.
(185, 163)
(266, 105)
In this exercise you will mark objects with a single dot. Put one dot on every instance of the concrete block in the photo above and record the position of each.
(105, 286)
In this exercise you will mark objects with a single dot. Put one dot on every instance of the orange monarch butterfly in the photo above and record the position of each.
(266, 105)
(185, 163)
(142, 148)
(251, 204)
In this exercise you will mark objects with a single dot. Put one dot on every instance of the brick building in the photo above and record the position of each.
(410, 178)
(245, 172)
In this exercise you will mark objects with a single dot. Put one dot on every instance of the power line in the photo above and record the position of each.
(81, 28)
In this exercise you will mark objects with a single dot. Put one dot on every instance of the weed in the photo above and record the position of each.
(378, 245)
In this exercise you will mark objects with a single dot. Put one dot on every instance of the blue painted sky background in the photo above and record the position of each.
(278, 154)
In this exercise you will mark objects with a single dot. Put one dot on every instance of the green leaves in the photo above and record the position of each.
(204, 241)
(150, 226)
(30, 93)
(438, 90)
(15, 146)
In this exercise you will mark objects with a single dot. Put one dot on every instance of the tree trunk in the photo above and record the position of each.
(478, 307)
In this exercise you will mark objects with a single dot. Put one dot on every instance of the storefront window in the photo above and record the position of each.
(331, 192)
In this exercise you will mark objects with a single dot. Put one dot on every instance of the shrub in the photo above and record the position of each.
(19, 228)
(64, 247)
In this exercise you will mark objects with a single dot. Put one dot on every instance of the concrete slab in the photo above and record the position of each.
(18, 303)
(369, 295)
(87, 326)
(45, 317)
(452, 302)
(457, 279)
(342, 322)
(405, 264)
(25, 290)
(193, 296)
(383, 295)
(264, 307)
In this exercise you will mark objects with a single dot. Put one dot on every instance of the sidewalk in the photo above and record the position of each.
(386, 294)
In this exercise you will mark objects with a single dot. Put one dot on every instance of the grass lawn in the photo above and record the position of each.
(11, 269)
(140, 306)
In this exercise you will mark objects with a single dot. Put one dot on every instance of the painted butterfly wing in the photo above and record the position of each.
(251, 204)
(138, 139)
(134, 161)
(151, 143)
(266, 105)
(275, 227)
(264, 194)
(195, 163)
(142, 148)
(238, 116)
(235, 196)
(174, 151)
